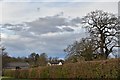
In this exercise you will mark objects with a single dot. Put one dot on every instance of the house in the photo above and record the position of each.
(17, 65)
(54, 63)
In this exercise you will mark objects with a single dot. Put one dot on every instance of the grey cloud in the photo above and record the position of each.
(76, 20)
(14, 27)
(45, 24)
(7, 24)
(30, 35)
(73, 22)
(49, 24)
(68, 29)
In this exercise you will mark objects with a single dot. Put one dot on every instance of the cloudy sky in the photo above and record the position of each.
(40, 26)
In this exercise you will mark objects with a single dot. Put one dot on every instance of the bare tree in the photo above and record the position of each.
(102, 27)
(83, 48)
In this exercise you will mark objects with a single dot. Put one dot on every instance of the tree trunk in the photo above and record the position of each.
(102, 44)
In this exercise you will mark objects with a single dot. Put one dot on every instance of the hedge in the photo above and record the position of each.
(86, 69)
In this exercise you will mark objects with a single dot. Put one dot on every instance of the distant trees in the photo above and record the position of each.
(85, 48)
(33, 59)
(43, 59)
(55, 60)
(37, 60)
(5, 57)
(71, 59)
(102, 27)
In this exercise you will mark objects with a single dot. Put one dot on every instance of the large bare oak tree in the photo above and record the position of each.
(102, 27)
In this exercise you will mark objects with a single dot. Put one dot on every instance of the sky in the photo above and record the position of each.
(45, 27)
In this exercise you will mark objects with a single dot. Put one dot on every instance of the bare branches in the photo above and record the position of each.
(102, 26)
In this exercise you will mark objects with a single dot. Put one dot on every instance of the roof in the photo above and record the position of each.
(54, 62)
(14, 64)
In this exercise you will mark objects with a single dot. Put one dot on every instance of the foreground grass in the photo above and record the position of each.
(10, 78)
(104, 69)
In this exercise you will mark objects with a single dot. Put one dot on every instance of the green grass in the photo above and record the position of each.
(10, 78)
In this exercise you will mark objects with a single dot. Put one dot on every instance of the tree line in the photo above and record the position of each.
(33, 59)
